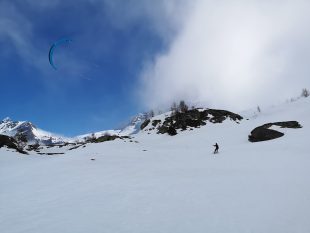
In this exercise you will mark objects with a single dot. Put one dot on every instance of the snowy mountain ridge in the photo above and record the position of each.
(24, 130)
(33, 135)
(27, 131)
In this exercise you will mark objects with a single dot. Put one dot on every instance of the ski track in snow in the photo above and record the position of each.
(166, 184)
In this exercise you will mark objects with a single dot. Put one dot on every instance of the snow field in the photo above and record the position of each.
(166, 184)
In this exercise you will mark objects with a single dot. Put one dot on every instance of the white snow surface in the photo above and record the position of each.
(166, 184)
(98, 134)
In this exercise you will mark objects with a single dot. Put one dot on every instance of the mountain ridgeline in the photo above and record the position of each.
(24, 136)
(26, 132)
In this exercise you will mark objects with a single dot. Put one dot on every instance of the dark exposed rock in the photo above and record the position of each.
(194, 119)
(10, 143)
(218, 116)
(106, 138)
(163, 129)
(75, 147)
(284, 124)
(144, 124)
(156, 122)
(34, 147)
(7, 141)
(51, 153)
(171, 131)
(263, 133)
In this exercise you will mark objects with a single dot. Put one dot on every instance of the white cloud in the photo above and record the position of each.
(233, 54)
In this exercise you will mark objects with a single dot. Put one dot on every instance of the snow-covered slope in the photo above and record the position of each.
(167, 184)
(96, 134)
(134, 126)
(29, 131)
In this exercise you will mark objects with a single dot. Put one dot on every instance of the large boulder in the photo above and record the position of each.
(264, 133)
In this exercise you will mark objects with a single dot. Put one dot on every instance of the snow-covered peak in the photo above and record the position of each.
(6, 120)
(26, 130)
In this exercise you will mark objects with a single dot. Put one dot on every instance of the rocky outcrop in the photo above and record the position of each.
(106, 138)
(145, 123)
(190, 119)
(11, 143)
(264, 133)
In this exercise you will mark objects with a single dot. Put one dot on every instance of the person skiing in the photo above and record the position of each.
(216, 148)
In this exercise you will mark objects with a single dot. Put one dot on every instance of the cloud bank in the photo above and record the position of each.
(233, 54)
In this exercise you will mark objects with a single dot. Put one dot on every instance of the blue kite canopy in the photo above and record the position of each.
(51, 52)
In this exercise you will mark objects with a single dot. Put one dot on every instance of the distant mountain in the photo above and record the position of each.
(132, 127)
(27, 132)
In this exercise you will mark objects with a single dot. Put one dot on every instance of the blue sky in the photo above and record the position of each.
(94, 87)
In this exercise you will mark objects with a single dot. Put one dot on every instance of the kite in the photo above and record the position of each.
(51, 52)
